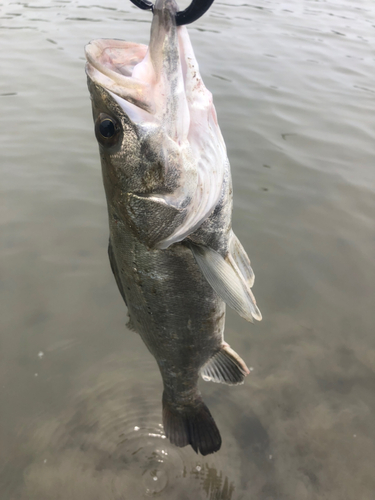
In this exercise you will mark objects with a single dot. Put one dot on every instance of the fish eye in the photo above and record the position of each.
(106, 130)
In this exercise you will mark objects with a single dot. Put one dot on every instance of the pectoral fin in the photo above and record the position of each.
(230, 278)
(240, 258)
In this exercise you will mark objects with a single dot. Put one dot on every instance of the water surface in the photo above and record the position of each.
(80, 394)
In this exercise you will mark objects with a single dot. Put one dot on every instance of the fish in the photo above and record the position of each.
(172, 250)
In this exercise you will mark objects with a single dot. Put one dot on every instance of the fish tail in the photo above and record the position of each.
(191, 424)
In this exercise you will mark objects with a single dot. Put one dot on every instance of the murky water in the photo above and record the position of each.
(293, 83)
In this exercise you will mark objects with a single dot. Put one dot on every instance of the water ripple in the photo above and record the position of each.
(110, 439)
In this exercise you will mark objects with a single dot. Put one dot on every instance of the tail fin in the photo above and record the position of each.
(191, 424)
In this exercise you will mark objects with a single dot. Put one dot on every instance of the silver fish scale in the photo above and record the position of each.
(172, 250)
(170, 303)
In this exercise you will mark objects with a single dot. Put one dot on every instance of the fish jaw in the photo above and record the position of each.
(110, 64)
(160, 92)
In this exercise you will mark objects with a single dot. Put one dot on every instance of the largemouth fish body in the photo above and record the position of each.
(172, 306)
(172, 250)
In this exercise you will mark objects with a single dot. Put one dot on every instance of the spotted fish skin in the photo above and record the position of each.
(168, 186)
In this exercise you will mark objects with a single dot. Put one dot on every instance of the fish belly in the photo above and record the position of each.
(170, 303)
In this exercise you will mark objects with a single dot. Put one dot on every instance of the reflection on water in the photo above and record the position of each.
(293, 87)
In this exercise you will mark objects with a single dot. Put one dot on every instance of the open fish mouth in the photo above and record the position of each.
(111, 63)
(160, 86)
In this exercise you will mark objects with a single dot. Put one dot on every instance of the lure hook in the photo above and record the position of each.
(195, 10)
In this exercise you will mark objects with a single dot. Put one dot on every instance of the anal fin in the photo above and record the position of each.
(225, 367)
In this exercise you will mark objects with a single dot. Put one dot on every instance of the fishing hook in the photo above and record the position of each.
(195, 10)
